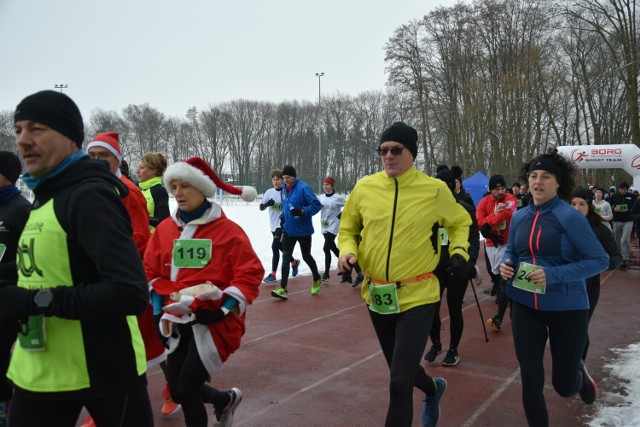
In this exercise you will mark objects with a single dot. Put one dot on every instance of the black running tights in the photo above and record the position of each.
(288, 244)
(131, 409)
(456, 287)
(567, 333)
(329, 246)
(187, 376)
(403, 337)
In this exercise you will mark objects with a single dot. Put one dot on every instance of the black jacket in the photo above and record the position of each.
(102, 254)
(13, 216)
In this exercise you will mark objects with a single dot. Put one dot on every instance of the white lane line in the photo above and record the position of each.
(316, 319)
(496, 394)
(309, 387)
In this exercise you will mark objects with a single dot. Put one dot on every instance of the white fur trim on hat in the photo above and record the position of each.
(190, 174)
(107, 146)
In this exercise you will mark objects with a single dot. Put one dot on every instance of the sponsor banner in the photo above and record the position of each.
(617, 156)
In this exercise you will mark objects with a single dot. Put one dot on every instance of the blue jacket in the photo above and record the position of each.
(559, 238)
(300, 196)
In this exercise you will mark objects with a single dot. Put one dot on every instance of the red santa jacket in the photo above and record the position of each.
(234, 268)
(497, 213)
(136, 205)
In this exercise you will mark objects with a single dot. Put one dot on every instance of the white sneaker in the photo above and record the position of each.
(477, 279)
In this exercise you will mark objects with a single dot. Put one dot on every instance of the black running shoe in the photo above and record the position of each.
(325, 277)
(589, 390)
(452, 358)
(495, 323)
(435, 350)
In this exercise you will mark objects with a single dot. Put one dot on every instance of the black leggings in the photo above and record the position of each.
(403, 337)
(593, 292)
(567, 333)
(456, 288)
(276, 248)
(187, 376)
(288, 244)
(329, 246)
(130, 409)
(7, 338)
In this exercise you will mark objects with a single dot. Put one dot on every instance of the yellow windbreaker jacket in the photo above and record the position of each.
(391, 226)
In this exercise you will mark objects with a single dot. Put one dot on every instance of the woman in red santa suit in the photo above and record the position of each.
(203, 265)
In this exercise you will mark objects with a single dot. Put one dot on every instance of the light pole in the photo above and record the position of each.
(319, 75)
(61, 86)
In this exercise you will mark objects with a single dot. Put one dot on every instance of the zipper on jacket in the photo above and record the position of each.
(533, 256)
(393, 222)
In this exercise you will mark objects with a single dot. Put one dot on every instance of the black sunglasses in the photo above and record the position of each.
(396, 151)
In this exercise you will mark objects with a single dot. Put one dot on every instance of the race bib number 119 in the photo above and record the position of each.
(191, 253)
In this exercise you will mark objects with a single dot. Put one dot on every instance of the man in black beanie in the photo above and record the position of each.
(299, 205)
(389, 226)
(79, 273)
(404, 134)
(14, 211)
(494, 213)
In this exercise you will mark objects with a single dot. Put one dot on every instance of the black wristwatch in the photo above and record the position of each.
(43, 298)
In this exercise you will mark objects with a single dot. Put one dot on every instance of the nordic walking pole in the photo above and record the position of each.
(486, 337)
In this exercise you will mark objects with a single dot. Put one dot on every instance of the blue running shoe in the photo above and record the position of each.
(431, 405)
(270, 278)
(294, 268)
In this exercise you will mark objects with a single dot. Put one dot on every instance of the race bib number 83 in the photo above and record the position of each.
(384, 299)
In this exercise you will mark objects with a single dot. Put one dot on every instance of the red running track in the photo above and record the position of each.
(315, 361)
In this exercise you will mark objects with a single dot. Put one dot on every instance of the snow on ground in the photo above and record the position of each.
(612, 409)
(621, 408)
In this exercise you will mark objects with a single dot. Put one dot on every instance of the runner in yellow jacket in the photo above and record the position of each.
(390, 226)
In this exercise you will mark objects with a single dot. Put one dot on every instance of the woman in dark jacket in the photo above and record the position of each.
(582, 200)
(551, 251)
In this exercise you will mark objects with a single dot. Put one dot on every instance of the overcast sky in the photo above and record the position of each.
(178, 54)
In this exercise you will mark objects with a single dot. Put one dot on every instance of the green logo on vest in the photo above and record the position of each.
(27, 260)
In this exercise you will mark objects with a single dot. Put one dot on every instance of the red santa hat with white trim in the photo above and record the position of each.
(198, 173)
(108, 140)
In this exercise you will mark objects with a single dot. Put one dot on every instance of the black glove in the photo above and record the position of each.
(485, 230)
(487, 233)
(296, 212)
(264, 206)
(17, 303)
(207, 317)
(458, 266)
(496, 239)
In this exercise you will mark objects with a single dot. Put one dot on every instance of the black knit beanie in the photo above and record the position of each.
(404, 134)
(289, 170)
(496, 181)
(55, 110)
(583, 193)
(447, 176)
(10, 166)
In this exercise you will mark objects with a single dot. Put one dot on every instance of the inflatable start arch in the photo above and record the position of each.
(617, 156)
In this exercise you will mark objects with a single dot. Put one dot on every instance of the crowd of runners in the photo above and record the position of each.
(100, 280)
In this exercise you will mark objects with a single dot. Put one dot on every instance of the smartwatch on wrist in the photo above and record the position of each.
(43, 298)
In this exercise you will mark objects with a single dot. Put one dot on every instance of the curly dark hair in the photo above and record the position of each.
(566, 175)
